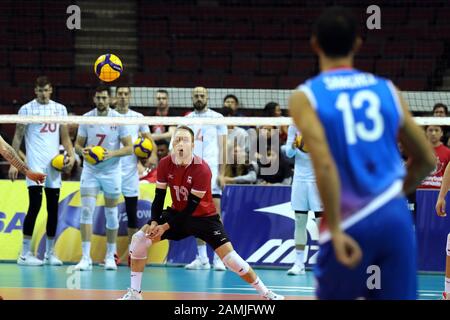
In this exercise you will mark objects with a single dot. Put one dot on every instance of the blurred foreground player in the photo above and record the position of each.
(350, 121)
(192, 214)
(440, 210)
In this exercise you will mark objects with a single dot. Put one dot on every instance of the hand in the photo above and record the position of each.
(346, 249)
(68, 163)
(158, 231)
(108, 154)
(13, 173)
(440, 208)
(36, 176)
(148, 228)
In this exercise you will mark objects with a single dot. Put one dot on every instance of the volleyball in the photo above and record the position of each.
(58, 162)
(301, 144)
(108, 67)
(95, 155)
(143, 148)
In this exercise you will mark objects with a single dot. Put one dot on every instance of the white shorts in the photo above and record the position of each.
(53, 179)
(130, 183)
(109, 182)
(305, 197)
(215, 188)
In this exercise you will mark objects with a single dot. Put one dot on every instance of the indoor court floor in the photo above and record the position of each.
(162, 283)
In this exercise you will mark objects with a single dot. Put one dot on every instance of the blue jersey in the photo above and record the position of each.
(361, 115)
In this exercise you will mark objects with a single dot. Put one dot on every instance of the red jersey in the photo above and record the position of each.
(182, 179)
(434, 180)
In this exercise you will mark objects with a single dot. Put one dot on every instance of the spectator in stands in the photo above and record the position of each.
(148, 175)
(232, 102)
(279, 171)
(240, 170)
(273, 109)
(434, 136)
(441, 110)
(160, 132)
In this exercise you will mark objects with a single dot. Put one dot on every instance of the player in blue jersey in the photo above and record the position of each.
(350, 121)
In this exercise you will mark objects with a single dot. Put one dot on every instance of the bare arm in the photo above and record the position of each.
(67, 143)
(326, 173)
(166, 135)
(12, 157)
(222, 154)
(126, 150)
(17, 141)
(80, 145)
(421, 158)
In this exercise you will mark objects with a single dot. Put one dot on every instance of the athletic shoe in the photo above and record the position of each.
(110, 263)
(52, 260)
(296, 270)
(29, 260)
(445, 295)
(131, 295)
(218, 265)
(197, 264)
(270, 295)
(85, 264)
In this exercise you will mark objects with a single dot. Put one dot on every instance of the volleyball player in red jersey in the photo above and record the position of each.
(192, 214)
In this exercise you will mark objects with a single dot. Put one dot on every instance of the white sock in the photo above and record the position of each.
(49, 243)
(86, 248)
(300, 255)
(136, 278)
(202, 252)
(259, 286)
(111, 249)
(25, 246)
(447, 285)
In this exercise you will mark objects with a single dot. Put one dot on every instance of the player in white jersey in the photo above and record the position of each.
(42, 141)
(129, 164)
(304, 196)
(210, 144)
(105, 176)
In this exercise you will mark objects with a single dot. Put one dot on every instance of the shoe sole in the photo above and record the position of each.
(29, 264)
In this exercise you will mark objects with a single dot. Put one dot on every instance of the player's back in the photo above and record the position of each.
(361, 116)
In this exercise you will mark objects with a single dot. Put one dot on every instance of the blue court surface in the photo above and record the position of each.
(163, 283)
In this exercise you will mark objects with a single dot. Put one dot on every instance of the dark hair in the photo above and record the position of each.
(42, 81)
(335, 30)
(102, 88)
(118, 87)
(232, 96)
(440, 105)
(163, 91)
(187, 129)
(162, 142)
(270, 107)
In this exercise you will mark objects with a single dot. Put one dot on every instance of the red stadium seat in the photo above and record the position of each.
(186, 63)
(52, 58)
(274, 66)
(236, 81)
(24, 58)
(219, 63)
(244, 64)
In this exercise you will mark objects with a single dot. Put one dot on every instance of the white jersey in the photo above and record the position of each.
(42, 140)
(303, 170)
(107, 136)
(207, 137)
(129, 163)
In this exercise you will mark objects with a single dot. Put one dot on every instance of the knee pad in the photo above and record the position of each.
(87, 209)
(139, 245)
(235, 263)
(112, 218)
(448, 245)
(301, 237)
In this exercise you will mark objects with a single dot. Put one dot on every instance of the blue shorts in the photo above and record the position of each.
(387, 240)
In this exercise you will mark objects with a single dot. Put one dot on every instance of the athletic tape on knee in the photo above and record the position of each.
(448, 245)
(301, 220)
(235, 263)
(87, 210)
(112, 218)
(139, 245)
